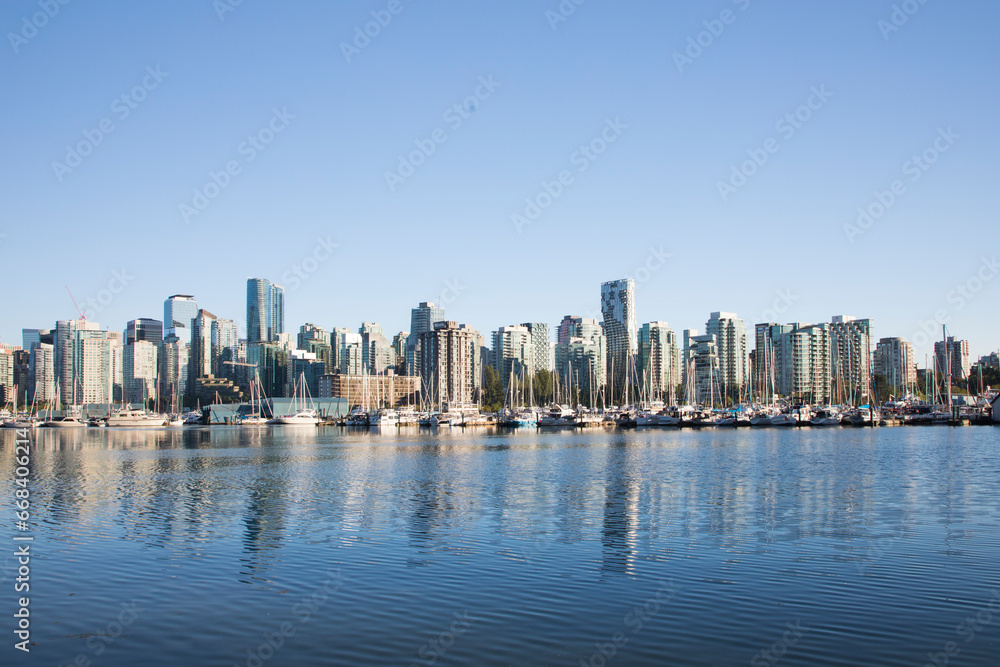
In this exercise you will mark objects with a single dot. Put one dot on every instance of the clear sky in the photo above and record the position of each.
(667, 121)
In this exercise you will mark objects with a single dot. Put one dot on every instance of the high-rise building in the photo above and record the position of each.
(7, 387)
(41, 373)
(225, 347)
(659, 362)
(141, 365)
(894, 361)
(65, 339)
(200, 354)
(351, 357)
(377, 355)
(96, 368)
(302, 364)
(173, 369)
(539, 360)
(422, 319)
(448, 364)
(580, 357)
(265, 311)
(318, 341)
(955, 353)
(272, 365)
(799, 356)
(178, 311)
(851, 347)
(621, 333)
(399, 349)
(512, 353)
(731, 342)
(144, 329)
(703, 370)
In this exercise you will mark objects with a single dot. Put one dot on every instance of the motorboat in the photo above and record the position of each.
(132, 418)
(68, 421)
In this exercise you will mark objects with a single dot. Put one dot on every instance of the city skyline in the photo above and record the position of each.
(570, 154)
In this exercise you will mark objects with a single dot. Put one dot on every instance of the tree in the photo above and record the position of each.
(543, 387)
(492, 390)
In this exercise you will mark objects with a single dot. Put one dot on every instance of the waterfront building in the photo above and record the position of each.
(173, 368)
(178, 311)
(894, 361)
(265, 311)
(580, 356)
(703, 370)
(65, 339)
(448, 364)
(793, 360)
(225, 347)
(302, 363)
(539, 359)
(399, 350)
(389, 390)
(377, 355)
(96, 368)
(731, 343)
(659, 362)
(512, 353)
(200, 355)
(351, 356)
(621, 334)
(41, 373)
(955, 352)
(272, 366)
(851, 349)
(7, 386)
(140, 370)
(422, 319)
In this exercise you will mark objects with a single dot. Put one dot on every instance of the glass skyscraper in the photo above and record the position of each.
(265, 310)
(618, 309)
(178, 311)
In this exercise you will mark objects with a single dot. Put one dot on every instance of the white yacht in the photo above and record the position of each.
(132, 418)
(303, 414)
(383, 418)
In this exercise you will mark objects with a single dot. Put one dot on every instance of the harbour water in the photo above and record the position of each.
(221, 546)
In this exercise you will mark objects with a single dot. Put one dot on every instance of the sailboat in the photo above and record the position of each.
(303, 412)
(256, 417)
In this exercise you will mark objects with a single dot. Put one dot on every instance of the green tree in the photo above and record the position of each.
(492, 390)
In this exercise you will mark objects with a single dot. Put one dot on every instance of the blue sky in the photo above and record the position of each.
(778, 239)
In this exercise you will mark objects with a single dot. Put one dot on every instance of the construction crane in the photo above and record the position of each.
(82, 313)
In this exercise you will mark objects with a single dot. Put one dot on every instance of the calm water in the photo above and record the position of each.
(832, 547)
